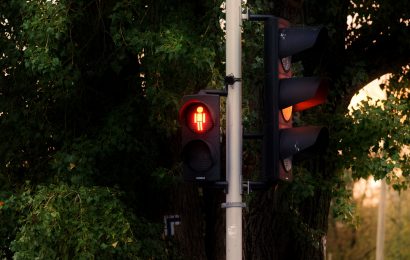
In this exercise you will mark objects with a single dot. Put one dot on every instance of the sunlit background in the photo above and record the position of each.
(381, 212)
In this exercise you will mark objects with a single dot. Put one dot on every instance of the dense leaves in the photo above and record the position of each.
(89, 94)
(62, 213)
(383, 133)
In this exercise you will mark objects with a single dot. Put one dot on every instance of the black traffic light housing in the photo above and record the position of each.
(284, 95)
(199, 118)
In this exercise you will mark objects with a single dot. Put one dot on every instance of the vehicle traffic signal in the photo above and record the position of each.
(284, 94)
(199, 118)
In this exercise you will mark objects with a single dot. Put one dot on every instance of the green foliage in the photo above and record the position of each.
(46, 25)
(379, 136)
(167, 46)
(343, 207)
(303, 186)
(89, 93)
(61, 221)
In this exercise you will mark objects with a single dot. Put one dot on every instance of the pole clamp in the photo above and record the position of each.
(233, 205)
(230, 80)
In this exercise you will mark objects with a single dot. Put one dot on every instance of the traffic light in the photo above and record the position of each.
(284, 94)
(199, 118)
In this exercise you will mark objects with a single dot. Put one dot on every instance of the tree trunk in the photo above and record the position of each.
(267, 230)
(201, 234)
(189, 235)
(278, 228)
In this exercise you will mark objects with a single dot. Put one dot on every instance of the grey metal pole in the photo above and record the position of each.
(234, 203)
(381, 221)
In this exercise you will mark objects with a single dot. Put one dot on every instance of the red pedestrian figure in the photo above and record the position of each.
(199, 118)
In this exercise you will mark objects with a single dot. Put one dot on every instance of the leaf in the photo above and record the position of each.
(71, 166)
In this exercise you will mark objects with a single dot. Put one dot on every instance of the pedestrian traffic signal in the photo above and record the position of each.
(199, 118)
(284, 94)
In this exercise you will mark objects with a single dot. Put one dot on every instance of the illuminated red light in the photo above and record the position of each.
(198, 119)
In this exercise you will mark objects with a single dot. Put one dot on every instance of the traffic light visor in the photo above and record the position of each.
(308, 139)
(294, 40)
(303, 93)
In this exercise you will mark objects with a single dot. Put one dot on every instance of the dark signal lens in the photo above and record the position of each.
(198, 118)
(198, 156)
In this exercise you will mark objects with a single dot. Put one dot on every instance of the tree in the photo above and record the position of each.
(89, 97)
(89, 94)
